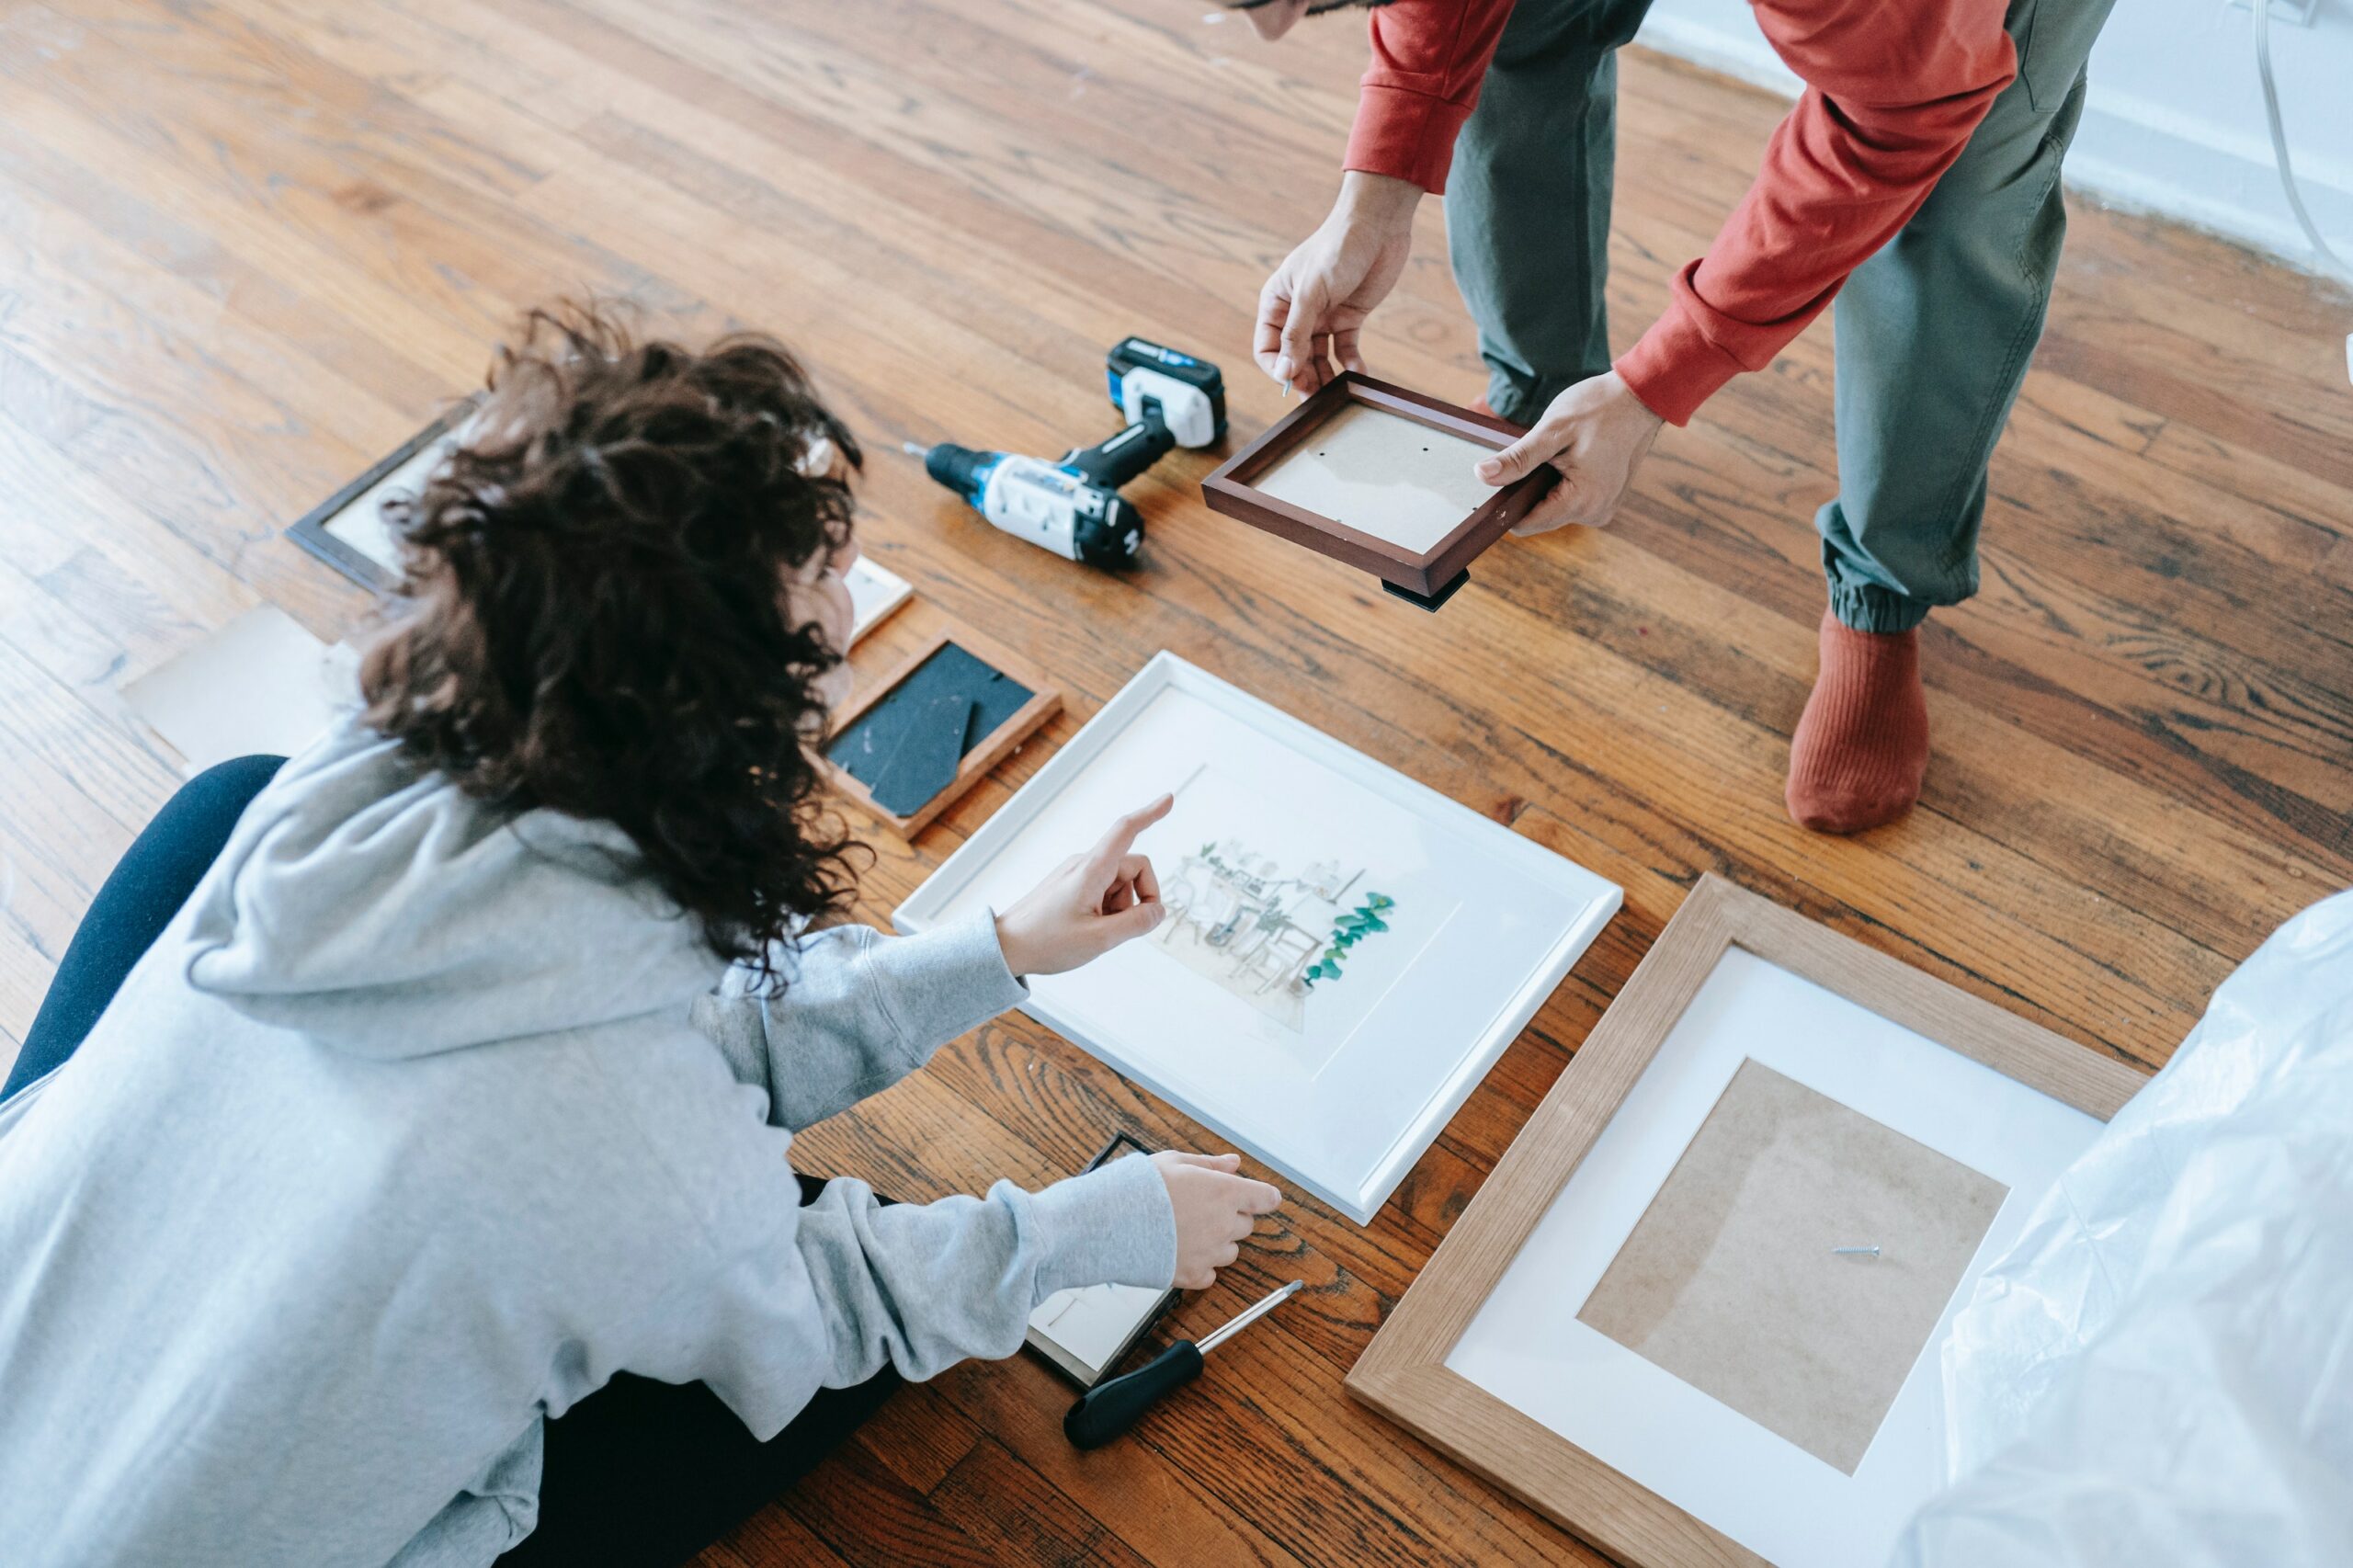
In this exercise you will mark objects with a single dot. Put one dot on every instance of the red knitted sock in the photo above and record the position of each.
(1863, 744)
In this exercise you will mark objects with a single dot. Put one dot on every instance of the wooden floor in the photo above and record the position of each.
(246, 246)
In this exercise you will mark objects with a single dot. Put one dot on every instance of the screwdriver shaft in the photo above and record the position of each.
(1252, 1315)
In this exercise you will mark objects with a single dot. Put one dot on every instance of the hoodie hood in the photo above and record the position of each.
(379, 910)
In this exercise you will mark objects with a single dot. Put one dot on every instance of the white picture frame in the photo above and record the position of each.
(1338, 1090)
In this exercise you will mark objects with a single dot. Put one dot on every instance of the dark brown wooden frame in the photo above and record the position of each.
(1428, 578)
(1044, 702)
(1403, 1373)
(312, 533)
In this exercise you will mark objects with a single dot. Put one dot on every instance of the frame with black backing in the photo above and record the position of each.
(1043, 703)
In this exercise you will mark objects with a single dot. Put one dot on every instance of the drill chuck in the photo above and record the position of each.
(960, 468)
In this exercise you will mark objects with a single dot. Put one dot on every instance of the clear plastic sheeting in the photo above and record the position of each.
(2160, 1371)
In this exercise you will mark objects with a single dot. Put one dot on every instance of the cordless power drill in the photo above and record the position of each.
(1072, 505)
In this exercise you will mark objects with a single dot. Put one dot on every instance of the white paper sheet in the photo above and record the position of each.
(1383, 474)
(261, 684)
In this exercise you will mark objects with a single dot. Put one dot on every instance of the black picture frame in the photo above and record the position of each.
(311, 532)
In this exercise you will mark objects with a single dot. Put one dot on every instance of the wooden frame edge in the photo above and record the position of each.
(1229, 491)
(1403, 1372)
(1471, 1426)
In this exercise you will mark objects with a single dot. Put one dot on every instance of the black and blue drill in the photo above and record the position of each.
(1072, 505)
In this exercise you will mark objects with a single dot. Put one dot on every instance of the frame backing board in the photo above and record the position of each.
(1284, 848)
(1378, 476)
(1733, 1279)
(1494, 1356)
(983, 752)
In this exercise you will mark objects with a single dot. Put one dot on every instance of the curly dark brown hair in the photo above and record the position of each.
(599, 626)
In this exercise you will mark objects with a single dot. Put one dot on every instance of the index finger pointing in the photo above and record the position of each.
(1121, 835)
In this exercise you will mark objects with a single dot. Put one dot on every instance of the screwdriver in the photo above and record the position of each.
(1108, 1409)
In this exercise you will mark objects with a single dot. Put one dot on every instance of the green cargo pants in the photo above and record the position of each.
(1934, 332)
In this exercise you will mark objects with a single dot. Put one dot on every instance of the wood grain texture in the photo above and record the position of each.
(248, 245)
(1403, 1372)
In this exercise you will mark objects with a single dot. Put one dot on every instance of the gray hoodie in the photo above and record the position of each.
(417, 1125)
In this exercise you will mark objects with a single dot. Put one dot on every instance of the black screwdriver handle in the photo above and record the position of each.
(1108, 1409)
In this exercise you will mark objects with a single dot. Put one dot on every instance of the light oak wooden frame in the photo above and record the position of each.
(1426, 577)
(1403, 1373)
(312, 533)
(1044, 702)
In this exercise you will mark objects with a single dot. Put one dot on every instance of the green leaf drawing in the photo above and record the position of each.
(1347, 930)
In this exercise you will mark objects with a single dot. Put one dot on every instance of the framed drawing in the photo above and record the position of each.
(1688, 1316)
(1381, 478)
(1346, 952)
(909, 748)
(347, 531)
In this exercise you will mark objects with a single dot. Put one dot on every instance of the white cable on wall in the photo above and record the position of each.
(2329, 260)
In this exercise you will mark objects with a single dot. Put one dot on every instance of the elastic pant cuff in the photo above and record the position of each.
(1524, 400)
(1506, 396)
(1869, 608)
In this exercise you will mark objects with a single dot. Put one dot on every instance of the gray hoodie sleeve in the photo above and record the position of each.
(922, 1287)
(827, 1294)
(861, 1010)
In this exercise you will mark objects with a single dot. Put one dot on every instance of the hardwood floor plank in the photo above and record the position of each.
(247, 245)
(1016, 1514)
(1154, 1506)
(868, 1517)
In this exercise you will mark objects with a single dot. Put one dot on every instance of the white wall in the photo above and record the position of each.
(2173, 120)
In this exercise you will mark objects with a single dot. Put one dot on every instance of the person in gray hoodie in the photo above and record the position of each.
(427, 1171)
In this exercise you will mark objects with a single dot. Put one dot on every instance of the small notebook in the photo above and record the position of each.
(1086, 1332)
(874, 593)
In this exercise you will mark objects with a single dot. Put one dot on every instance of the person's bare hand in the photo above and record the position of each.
(1272, 19)
(1596, 434)
(1313, 308)
(1215, 1211)
(1088, 904)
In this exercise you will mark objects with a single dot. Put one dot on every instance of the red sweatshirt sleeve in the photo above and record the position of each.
(1894, 88)
(1428, 57)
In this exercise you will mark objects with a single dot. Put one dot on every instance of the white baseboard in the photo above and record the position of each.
(2126, 153)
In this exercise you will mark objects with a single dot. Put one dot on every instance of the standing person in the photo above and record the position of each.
(1917, 181)
(396, 1171)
